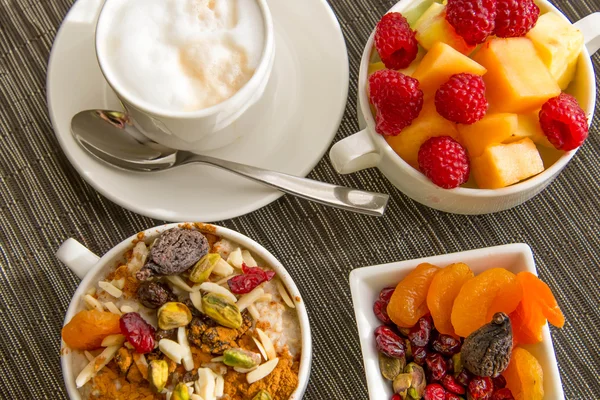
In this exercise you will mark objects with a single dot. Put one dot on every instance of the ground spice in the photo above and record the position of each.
(109, 385)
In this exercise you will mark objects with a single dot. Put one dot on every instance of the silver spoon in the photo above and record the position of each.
(110, 136)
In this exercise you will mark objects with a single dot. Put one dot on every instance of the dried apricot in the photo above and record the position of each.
(492, 291)
(88, 328)
(527, 325)
(524, 376)
(443, 290)
(409, 301)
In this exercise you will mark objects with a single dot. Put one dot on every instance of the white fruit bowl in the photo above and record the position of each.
(367, 282)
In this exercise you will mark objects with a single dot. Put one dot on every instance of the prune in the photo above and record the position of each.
(446, 345)
(389, 343)
(420, 334)
(154, 294)
(174, 252)
(480, 387)
(138, 332)
(487, 351)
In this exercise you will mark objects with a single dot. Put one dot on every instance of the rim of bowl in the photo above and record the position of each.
(523, 186)
(148, 107)
(106, 261)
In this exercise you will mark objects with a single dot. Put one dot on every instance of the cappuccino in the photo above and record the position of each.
(180, 55)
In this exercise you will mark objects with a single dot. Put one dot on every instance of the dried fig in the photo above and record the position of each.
(487, 351)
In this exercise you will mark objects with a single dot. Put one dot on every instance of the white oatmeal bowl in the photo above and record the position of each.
(186, 307)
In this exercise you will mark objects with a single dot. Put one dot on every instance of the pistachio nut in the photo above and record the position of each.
(204, 267)
(262, 395)
(158, 374)
(180, 392)
(401, 384)
(390, 367)
(418, 381)
(173, 315)
(241, 358)
(404, 331)
(407, 349)
(457, 363)
(221, 310)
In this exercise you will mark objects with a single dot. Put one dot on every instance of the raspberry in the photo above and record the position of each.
(462, 99)
(397, 98)
(474, 20)
(395, 41)
(138, 332)
(444, 161)
(515, 17)
(434, 391)
(564, 123)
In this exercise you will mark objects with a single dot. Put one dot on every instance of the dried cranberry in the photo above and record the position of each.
(499, 382)
(138, 332)
(420, 333)
(396, 397)
(419, 355)
(386, 294)
(452, 396)
(464, 377)
(446, 344)
(380, 310)
(436, 366)
(503, 394)
(481, 387)
(389, 343)
(450, 384)
(249, 280)
(434, 391)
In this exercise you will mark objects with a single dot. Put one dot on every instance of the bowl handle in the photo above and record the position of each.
(354, 153)
(76, 257)
(590, 27)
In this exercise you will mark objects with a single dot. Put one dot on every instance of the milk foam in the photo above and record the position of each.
(181, 55)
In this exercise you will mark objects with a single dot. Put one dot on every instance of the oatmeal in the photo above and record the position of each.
(187, 316)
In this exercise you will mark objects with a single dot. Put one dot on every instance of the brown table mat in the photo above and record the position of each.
(43, 201)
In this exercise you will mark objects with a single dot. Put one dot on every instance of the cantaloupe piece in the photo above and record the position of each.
(440, 63)
(432, 27)
(492, 129)
(516, 80)
(502, 165)
(427, 125)
(558, 44)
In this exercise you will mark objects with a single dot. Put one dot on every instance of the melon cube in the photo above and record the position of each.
(492, 129)
(440, 63)
(502, 165)
(517, 80)
(558, 44)
(529, 126)
(433, 27)
(427, 125)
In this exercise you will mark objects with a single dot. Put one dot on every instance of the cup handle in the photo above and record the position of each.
(354, 153)
(590, 27)
(76, 257)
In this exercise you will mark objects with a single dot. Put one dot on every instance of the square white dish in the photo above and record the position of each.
(367, 282)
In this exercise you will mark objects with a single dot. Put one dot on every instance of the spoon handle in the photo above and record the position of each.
(355, 200)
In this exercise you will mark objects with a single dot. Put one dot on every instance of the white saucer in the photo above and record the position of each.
(293, 125)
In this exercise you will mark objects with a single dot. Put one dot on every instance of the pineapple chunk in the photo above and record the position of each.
(439, 64)
(502, 165)
(492, 129)
(517, 80)
(529, 126)
(433, 27)
(558, 44)
(427, 125)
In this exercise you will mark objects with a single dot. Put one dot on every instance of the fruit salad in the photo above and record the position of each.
(186, 316)
(474, 93)
(449, 335)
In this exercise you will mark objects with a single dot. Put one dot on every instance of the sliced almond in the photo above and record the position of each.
(212, 287)
(178, 281)
(110, 289)
(196, 299)
(88, 355)
(118, 283)
(235, 258)
(188, 360)
(267, 344)
(92, 302)
(205, 386)
(194, 396)
(217, 359)
(113, 340)
(110, 306)
(243, 370)
(129, 346)
(260, 348)
(171, 349)
(128, 309)
(96, 365)
(141, 363)
(248, 259)
(264, 298)
(91, 291)
(253, 312)
(219, 386)
(284, 294)
(222, 268)
(249, 298)
(262, 371)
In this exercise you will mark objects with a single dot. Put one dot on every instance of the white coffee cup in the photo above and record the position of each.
(367, 148)
(90, 269)
(202, 130)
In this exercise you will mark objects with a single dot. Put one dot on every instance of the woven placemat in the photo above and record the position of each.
(43, 201)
